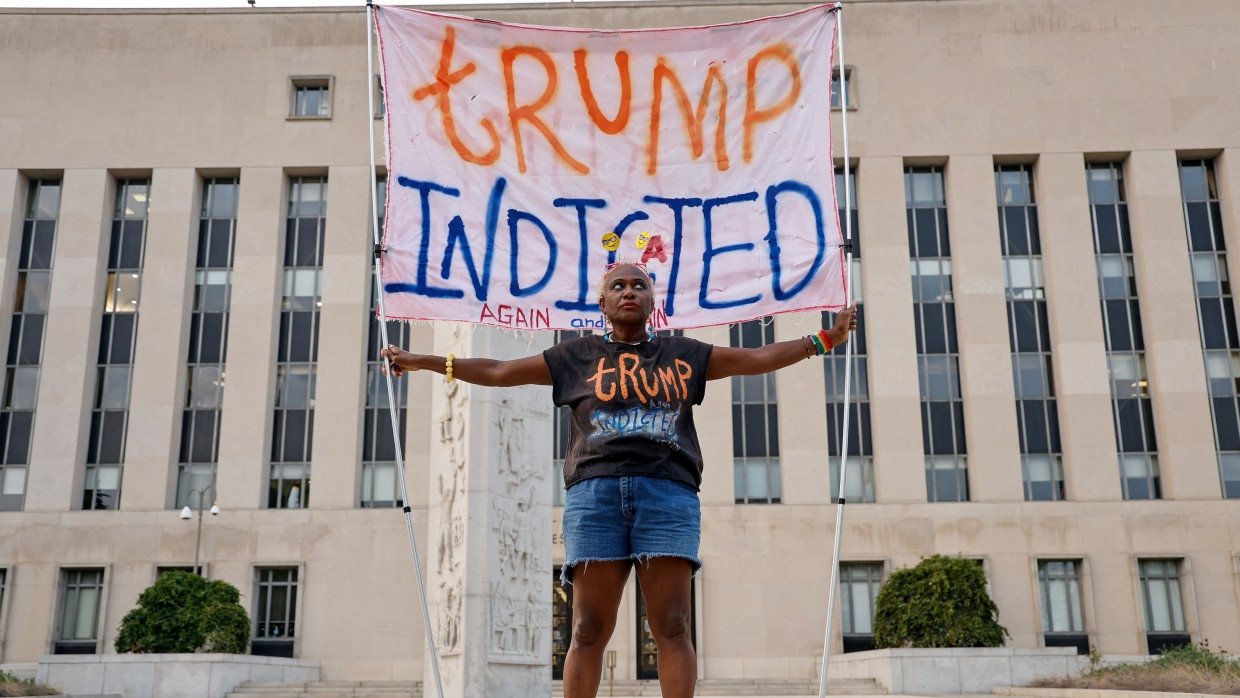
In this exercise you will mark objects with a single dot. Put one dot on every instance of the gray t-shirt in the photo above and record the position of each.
(631, 406)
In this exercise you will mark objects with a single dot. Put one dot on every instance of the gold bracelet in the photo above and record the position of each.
(447, 365)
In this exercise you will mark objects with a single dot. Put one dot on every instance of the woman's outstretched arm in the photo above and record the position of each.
(531, 370)
(735, 361)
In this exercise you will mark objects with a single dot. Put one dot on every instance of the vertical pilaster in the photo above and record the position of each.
(803, 462)
(344, 324)
(982, 332)
(899, 463)
(159, 352)
(66, 380)
(1186, 455)
(245, 425)
(1074, 310)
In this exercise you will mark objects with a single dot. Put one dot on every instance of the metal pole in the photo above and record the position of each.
(198, 543)
(371, 27)
(848, 358)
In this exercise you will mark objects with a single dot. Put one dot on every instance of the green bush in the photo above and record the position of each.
(10, 685)
(182, 612)
(942, 602)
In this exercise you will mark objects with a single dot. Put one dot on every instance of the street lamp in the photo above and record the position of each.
(186, 514)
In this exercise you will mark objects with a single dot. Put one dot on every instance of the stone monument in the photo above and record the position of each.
(489, 525)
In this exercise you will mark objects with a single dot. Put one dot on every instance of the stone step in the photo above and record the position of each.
(413, 689)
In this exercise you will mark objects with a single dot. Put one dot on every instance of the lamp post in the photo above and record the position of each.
(186, 514)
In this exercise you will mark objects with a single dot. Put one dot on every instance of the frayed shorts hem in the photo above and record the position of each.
(566, 572)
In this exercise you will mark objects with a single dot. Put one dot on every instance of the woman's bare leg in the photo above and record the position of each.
(597, 588)
(667, 586)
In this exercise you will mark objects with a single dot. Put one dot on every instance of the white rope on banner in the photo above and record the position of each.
(383, 333)
(848, 361)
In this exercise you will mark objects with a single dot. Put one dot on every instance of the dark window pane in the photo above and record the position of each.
(131, 250)
(1200, 236)
(1131, 426)
(1213, 333)
(949, 317)
(1118, 333)
(942, 437)
(41, 247)
(15, 330)
(205, 436)
(19, 427)
(1216, 214)
(112, 437)
(384, 445)
(1024, 324)
(934, 330)
(1107, 241)
(925, 427)
(738, 445)
(1052, 416)
(1017, 235)
(1226, 425)
(1035, 242)
(1134, 312)
(772, 429)
(1034, 414)
(123, 325)
(927, 234)
(31, 339)
(211, 338)
(755, 430)
(294, 441)
(114, 245)
(958, 414)
(219, 254)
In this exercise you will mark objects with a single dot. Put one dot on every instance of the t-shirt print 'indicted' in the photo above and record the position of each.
(631, 406)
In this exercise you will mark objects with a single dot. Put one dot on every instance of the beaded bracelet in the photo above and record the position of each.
(447, 365)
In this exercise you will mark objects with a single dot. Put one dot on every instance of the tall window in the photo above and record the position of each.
(1164, 605)
(859, 583)
(81, 591)
(1121, 319)
(755, 422)
(105, 453)
(560, 425)
(380, 481)
(275, 611)
(860, 461)
(1029, 331)
(1216, 313)
(208, 338)
(934, 318)
(297, 355)
(1063, 617)
(21, 380)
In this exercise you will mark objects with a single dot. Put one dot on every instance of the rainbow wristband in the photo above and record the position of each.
(825, 338)
(818, 345)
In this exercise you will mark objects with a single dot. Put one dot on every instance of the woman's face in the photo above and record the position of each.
(627, 295)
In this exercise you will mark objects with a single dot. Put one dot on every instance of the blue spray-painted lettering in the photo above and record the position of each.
(657, 423)
(514, 284)
(711, 252)
(677, 206)
(583, 284)
(456, 236)
(422, 286)
(772, 238)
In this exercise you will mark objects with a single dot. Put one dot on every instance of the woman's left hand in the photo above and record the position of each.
(845, 324)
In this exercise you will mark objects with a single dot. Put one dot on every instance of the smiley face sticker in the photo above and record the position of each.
(642, 239)
(611, 242)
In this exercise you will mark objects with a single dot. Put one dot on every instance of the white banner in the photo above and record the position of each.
(523, 160)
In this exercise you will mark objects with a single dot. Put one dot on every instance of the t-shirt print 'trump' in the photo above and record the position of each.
(632, 406)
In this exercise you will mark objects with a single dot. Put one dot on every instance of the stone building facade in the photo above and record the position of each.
(1047, 218)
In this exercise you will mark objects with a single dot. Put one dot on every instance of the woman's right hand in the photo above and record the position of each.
(398, 360)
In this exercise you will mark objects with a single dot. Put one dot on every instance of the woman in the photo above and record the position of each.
(633, 465)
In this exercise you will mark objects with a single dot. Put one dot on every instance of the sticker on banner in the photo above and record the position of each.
(611, 242)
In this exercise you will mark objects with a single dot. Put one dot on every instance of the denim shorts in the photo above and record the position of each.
(630, 518)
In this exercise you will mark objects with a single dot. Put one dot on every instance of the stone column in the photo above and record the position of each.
(489, 525)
